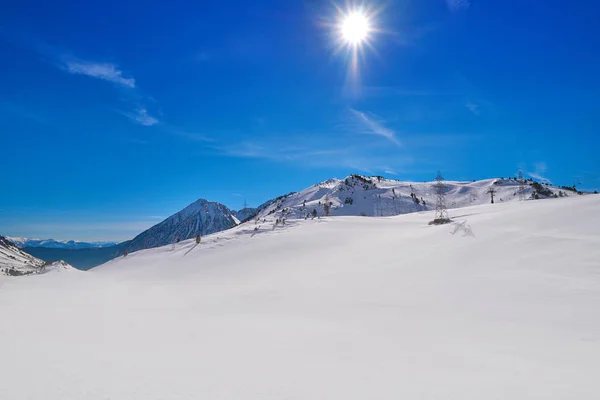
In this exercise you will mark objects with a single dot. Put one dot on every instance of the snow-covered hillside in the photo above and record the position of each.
(377, 196)
(332, 308)
(199, 218)
(356, 195)
(15, 262)
(22, 242)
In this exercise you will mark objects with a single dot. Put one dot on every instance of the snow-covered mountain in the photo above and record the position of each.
(201, 217)
(376, 196)
(22, 242)
(355, 195)
(15, 262)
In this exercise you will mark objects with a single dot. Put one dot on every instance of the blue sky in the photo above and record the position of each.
(116, 114)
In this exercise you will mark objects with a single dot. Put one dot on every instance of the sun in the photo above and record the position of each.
(355, 28)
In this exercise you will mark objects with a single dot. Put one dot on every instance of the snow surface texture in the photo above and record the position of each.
(199, 218)
(14, 261)
(57, 244)
(331, 308)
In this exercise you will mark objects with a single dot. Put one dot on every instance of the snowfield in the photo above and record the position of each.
(507, 307)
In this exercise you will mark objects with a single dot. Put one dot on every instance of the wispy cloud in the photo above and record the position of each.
(540, 170)
(105, 71)
(474, 108)
(110, 72)
(458, 5)
(141, 117)
(370, 126)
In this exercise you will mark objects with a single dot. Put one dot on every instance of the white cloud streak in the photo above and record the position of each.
(105, 71)
(372, 127)
(141, 117)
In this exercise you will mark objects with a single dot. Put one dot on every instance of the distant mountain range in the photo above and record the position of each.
(83, 259)
(57, 244)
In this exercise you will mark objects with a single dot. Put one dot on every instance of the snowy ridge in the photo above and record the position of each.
(58, 266)
(199, 218)
(15, 262)
(377, 196)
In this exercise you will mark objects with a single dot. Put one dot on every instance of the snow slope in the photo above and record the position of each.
(377, 196)
(199, 218)
(332, 308)
(14, 261)
(22, 242)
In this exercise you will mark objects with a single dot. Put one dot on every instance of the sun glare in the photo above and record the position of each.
(355, 28)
